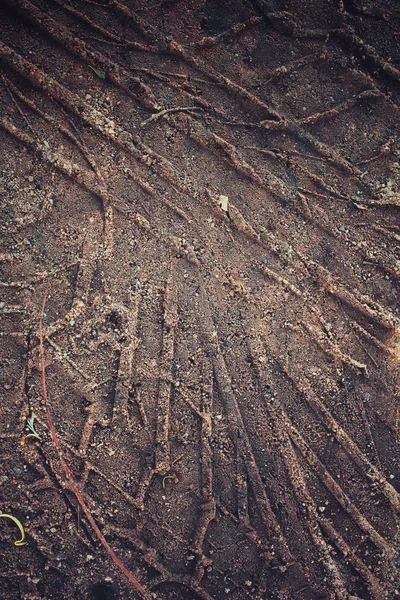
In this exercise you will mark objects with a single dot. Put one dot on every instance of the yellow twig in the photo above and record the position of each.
(30, 435)
(173, 478)
(22, 541)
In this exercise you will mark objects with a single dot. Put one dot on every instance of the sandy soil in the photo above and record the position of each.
(205, 195)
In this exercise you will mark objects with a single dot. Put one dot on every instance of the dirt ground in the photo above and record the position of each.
(199, 299)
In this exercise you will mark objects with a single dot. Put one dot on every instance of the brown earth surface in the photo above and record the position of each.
(205, 195)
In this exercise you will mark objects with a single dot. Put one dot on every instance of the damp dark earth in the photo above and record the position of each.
(200, 328)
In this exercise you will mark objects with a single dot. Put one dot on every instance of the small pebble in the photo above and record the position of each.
(60, 556)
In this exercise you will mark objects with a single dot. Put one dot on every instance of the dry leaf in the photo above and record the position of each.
(98, 72)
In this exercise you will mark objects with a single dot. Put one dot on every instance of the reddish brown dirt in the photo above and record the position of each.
(221, 382)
